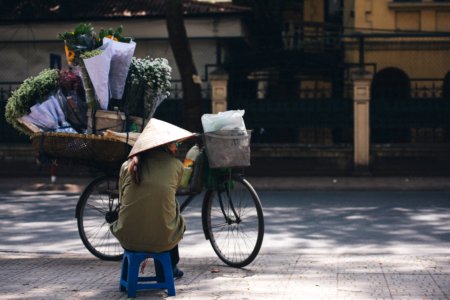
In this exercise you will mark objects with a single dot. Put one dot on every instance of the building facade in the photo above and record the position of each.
(346, 84)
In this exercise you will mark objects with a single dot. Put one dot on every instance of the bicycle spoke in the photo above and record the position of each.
(219, 225)
(100, 210)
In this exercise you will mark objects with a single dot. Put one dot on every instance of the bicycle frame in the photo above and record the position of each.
(217, 189)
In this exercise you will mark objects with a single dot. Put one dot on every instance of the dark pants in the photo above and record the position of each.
(174, 257)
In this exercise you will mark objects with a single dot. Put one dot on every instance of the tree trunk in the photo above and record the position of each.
(183, 56)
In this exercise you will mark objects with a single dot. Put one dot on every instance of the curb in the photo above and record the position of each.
(77, 184)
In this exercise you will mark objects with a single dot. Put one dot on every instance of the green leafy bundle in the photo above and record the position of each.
(115, 34)
(33, 90)
(82, 38)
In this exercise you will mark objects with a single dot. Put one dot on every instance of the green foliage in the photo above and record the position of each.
(115, 34)
(82, 38)
(33, 90)
(89, 54)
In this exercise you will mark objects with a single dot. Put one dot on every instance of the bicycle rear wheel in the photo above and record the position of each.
(234, 222)
(97, 208)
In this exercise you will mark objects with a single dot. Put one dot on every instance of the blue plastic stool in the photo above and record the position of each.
(130, 280)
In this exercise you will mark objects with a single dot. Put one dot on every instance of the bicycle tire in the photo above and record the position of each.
(237, 241)
(97, 208)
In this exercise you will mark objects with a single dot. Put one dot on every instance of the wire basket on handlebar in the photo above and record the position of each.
(228, 148)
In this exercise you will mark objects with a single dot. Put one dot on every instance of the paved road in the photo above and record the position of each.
(365, 244)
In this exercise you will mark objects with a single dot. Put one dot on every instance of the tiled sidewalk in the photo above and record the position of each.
(331, 245)
(46, 276)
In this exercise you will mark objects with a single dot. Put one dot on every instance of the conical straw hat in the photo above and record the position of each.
(158, 133)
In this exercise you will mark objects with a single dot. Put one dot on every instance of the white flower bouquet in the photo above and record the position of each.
(148, 84)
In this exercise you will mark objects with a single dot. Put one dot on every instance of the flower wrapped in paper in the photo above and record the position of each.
(83, 38)
(49, 115)
(148, 84)
(74, 104)
(102, 68)
(98, 68)
(51, 101)
(34, 89)
(109, 69)
(122, 53)
(103, 61)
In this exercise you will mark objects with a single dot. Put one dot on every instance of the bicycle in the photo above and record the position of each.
(232, 215)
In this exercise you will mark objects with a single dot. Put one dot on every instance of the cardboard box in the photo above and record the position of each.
(113, 120)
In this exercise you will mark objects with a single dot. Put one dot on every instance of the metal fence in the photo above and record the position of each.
(410, 91)
(306, 90)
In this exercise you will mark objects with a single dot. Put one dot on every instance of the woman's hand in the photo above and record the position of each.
(133, 168)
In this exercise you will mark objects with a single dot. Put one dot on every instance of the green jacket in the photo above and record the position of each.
(149, 216)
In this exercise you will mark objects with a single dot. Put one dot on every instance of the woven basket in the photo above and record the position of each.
(88, 149)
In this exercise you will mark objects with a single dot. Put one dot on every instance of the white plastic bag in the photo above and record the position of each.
(227, 120)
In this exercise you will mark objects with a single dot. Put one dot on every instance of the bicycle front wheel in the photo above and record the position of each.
(234, 222)
(97, 208)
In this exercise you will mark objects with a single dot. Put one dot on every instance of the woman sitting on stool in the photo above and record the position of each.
(149, 216)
